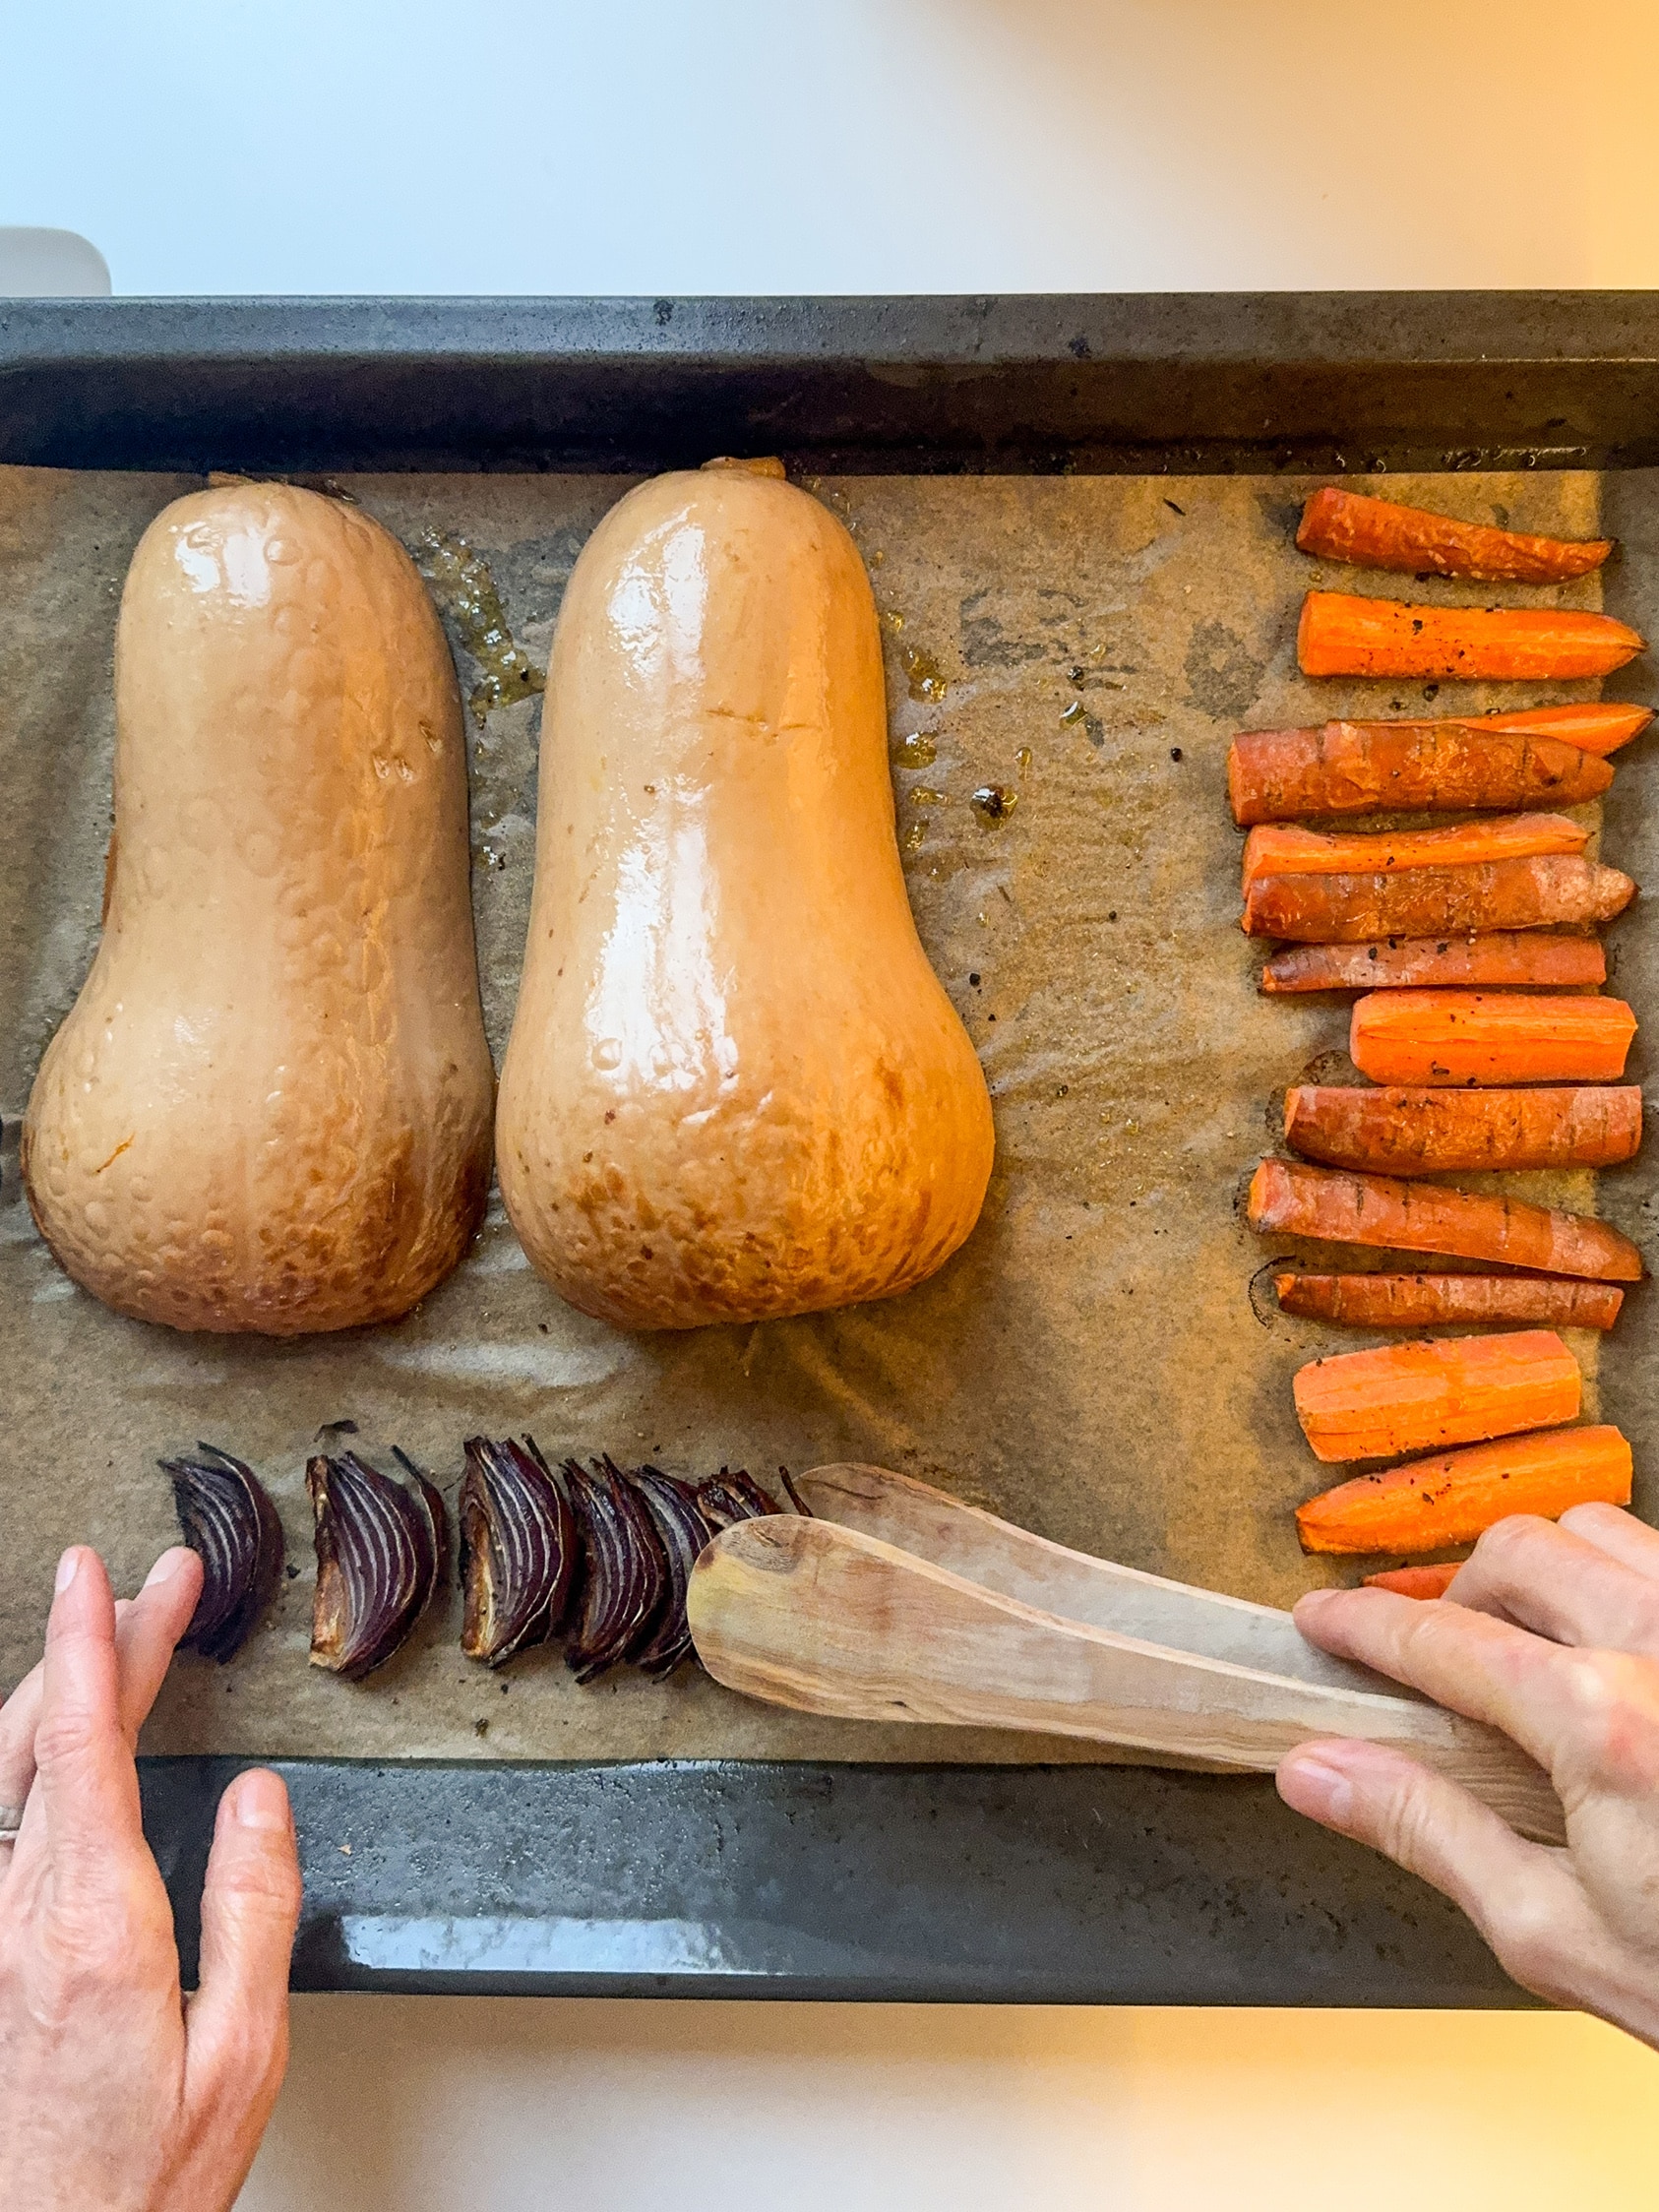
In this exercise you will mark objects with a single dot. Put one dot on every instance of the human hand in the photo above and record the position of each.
(1550, 1632)
(117, 2093)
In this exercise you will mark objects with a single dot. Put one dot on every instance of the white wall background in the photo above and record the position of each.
(637, 146)
(652, 146)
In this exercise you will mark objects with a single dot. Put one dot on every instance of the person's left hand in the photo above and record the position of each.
(117, 2093)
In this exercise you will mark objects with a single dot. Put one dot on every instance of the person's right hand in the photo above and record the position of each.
(118, 2094)
(1550, 1632)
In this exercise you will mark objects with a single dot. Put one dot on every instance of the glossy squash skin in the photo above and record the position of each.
(735, 1088)
(269, 1109)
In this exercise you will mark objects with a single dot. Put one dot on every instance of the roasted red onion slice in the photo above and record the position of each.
(733, 1496)
(227, 1519)
(625, 1578)
(684, 1529)
(381, 1553)
(519, 1543)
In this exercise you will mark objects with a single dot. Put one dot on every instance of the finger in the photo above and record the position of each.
(1551, 1701)
(87, 1787)
(1617, 1533)
(1523, 1897)
(1552, 1580)
(249, 1909)
(19, 1716)
(147, 1630)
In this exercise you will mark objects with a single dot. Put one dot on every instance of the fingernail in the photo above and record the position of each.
(260, 1802)
(1318, 1789)
(165, 1568)
(68, 1567)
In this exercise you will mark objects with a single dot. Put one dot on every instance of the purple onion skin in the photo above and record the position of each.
(230, 1522)
(625, 1579)
(684, 1529)
(520, 1544)
(379, 1553)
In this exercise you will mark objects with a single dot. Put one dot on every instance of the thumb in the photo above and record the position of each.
(238, 2023)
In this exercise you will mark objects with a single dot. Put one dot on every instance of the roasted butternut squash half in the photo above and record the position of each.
(269, 1109)
(735, 1088)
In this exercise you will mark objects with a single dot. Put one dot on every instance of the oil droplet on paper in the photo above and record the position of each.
(1022, 758)
(927, 678)
(464, 589)
(993, 803)
(911, 841)
(1072, 713)
(924, 795)
(917, 751)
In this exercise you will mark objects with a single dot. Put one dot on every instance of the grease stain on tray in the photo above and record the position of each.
(460, 581)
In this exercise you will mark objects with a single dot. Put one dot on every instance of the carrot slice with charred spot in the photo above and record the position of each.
(1439, 1037)
(1341, 635)
(1495, 895)
(1367, 767)
(1379, 533)
(1291, 1198)
(1424, 1130)
(1378, 1301)
(1596, 727)
(1272, 851)
(1415, 1581)
(1430, 1504)
(1415, 1398)
(1528, 958)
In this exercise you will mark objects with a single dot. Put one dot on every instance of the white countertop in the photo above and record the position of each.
(532, 146)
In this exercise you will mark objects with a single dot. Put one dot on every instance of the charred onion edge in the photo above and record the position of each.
(684, 1529)
(519, 1550)
(733, 1496)
(230, 1524)
(625, 1579)
(381, 1549)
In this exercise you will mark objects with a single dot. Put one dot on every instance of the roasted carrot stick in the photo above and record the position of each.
(1428, 1301)
(1551, 887)
(1430, 1504)
(1597, 726)
(1292, 1200)
(1443, 767)
(1341, 635)
(1441, 1037)
(1274, 850)
(1415, 1581)
(1378, 534)
(1431, 1130)
(1451, 1390)
(1528, 957)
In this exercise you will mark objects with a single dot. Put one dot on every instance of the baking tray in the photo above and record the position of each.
(1043, 1883)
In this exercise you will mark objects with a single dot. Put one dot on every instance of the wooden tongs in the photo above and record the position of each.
(897, 1602)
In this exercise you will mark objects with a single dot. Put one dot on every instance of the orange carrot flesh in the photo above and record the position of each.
(1430, 1504)
(1427, 1129)
(1378, 1301)
(1550, 889)
(1291, 1198)
(1440, 1037)
(1418, 1397)
(1341, 635)
(1528, 959)
(1369, 768)
(1597, 726)
(1378, 534)
(1415, 1581)
(1274, 850)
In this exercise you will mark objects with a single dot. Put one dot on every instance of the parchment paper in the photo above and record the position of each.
(1091, 1364)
